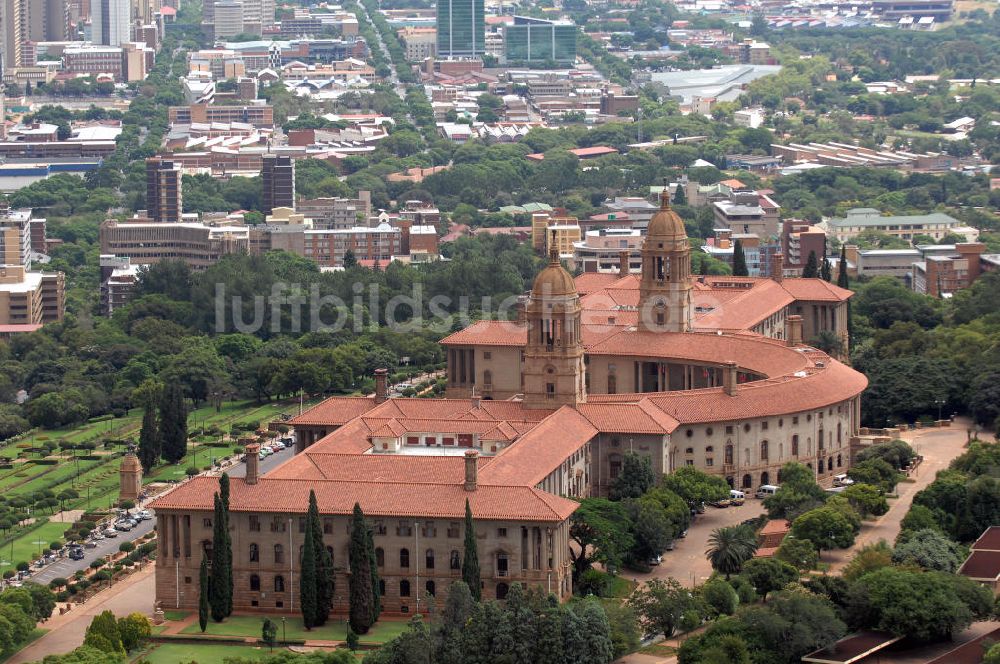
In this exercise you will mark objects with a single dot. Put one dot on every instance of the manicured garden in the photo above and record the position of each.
(335, 630)
(172, 653)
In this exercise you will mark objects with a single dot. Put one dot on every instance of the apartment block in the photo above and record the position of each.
(418, 43)
(29, 299)
(799, 239)
(164, 190)
(146, 242)
(258, 115)
(328, 213)
(278, 178)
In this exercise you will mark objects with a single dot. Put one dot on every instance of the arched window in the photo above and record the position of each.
(279, 584)
(829, 463)
(279, 554)
(254, 553)
(502, 589)
(765, 478)
(747, 481)
(429, 559)
(729, 454)
(381, 587)
(763, 451)
(254, 582)
(839, 461)
(612, 384)
(795, 445)
(380, 557)
(488, 379)
(839, 432)
(455, 561)
(820, 464)
(404, 588)
(431, 588)
(404, 557)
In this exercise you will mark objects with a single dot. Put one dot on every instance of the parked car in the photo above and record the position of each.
(91, 544)
(97, 536)
(110, 532)
(842, 480)
(145, 515)
(76, 553)
(671, 545)
(655, 560)
(725, 502)
(123, 526)
(682, 534)
(40, 563)
(766, 490)
(736, 497)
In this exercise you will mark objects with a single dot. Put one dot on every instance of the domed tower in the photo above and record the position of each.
(554, 373)
(130, 477)
(665, 285)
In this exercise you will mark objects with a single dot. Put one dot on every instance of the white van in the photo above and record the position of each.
(765, 490)
(842, 480)
(736, 497)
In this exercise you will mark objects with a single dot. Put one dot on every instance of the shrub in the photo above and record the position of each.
(55, 545)
(191, 471)
(594, 582)
(57, 582)
(23, 566)
(126, 547)
(62, 596)
(9, 574)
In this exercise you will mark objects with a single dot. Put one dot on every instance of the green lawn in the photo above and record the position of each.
(249, 626)
(171, 653)
(176, 615)
(26, 547)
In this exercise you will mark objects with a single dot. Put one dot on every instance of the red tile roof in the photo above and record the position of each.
(377, 499)
(540, 451)
(815, 290)
(334, 412)
(375, 468)
(641, 417)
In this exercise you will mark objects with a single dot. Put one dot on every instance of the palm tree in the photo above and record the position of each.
(730, 547)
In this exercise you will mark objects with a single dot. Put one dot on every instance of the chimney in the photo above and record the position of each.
(471, 470)
(729, 379)
(476, 401)
(623, 269)
(778, 266)
(793, 333)
(381, 385)
(253, 463)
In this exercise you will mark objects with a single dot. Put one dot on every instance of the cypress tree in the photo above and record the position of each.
(308, 594)
(217, 585)
(842, 279)
(826, 270)
(224, 491)
(739, 261)
(373, 565)
(470, 565)
(220, 585)
(811, 270)
(361, 597)
(149, 439)
(173, 423)
(203, 593)
(680, 198)
(324, 563)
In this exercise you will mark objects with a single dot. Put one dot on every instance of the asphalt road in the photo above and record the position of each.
(276, 459)
(64, 567)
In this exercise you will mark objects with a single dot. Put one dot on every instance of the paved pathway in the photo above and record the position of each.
(938, 447)
(66, 631)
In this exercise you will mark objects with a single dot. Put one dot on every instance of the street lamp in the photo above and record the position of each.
(284, 634)
(940, 403)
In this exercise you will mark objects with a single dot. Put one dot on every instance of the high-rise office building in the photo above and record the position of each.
(538, 40)
(461, 28)
(278, 174)
(229, 19)
(164, 198)
(111, 22)
(13, 30)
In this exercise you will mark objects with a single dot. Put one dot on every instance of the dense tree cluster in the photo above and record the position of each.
(527, 628)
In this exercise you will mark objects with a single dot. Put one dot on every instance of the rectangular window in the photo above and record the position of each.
(795, 419)
(206, 522)
(709, 461)
(453, 530)
(327, 526)
(413, 440)
(763, 425)
(302, 524)
(380, 528)
(501, 532)
(404, 529)
(487, 355)
(690, 462)
(254, 523)
(729, 429)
